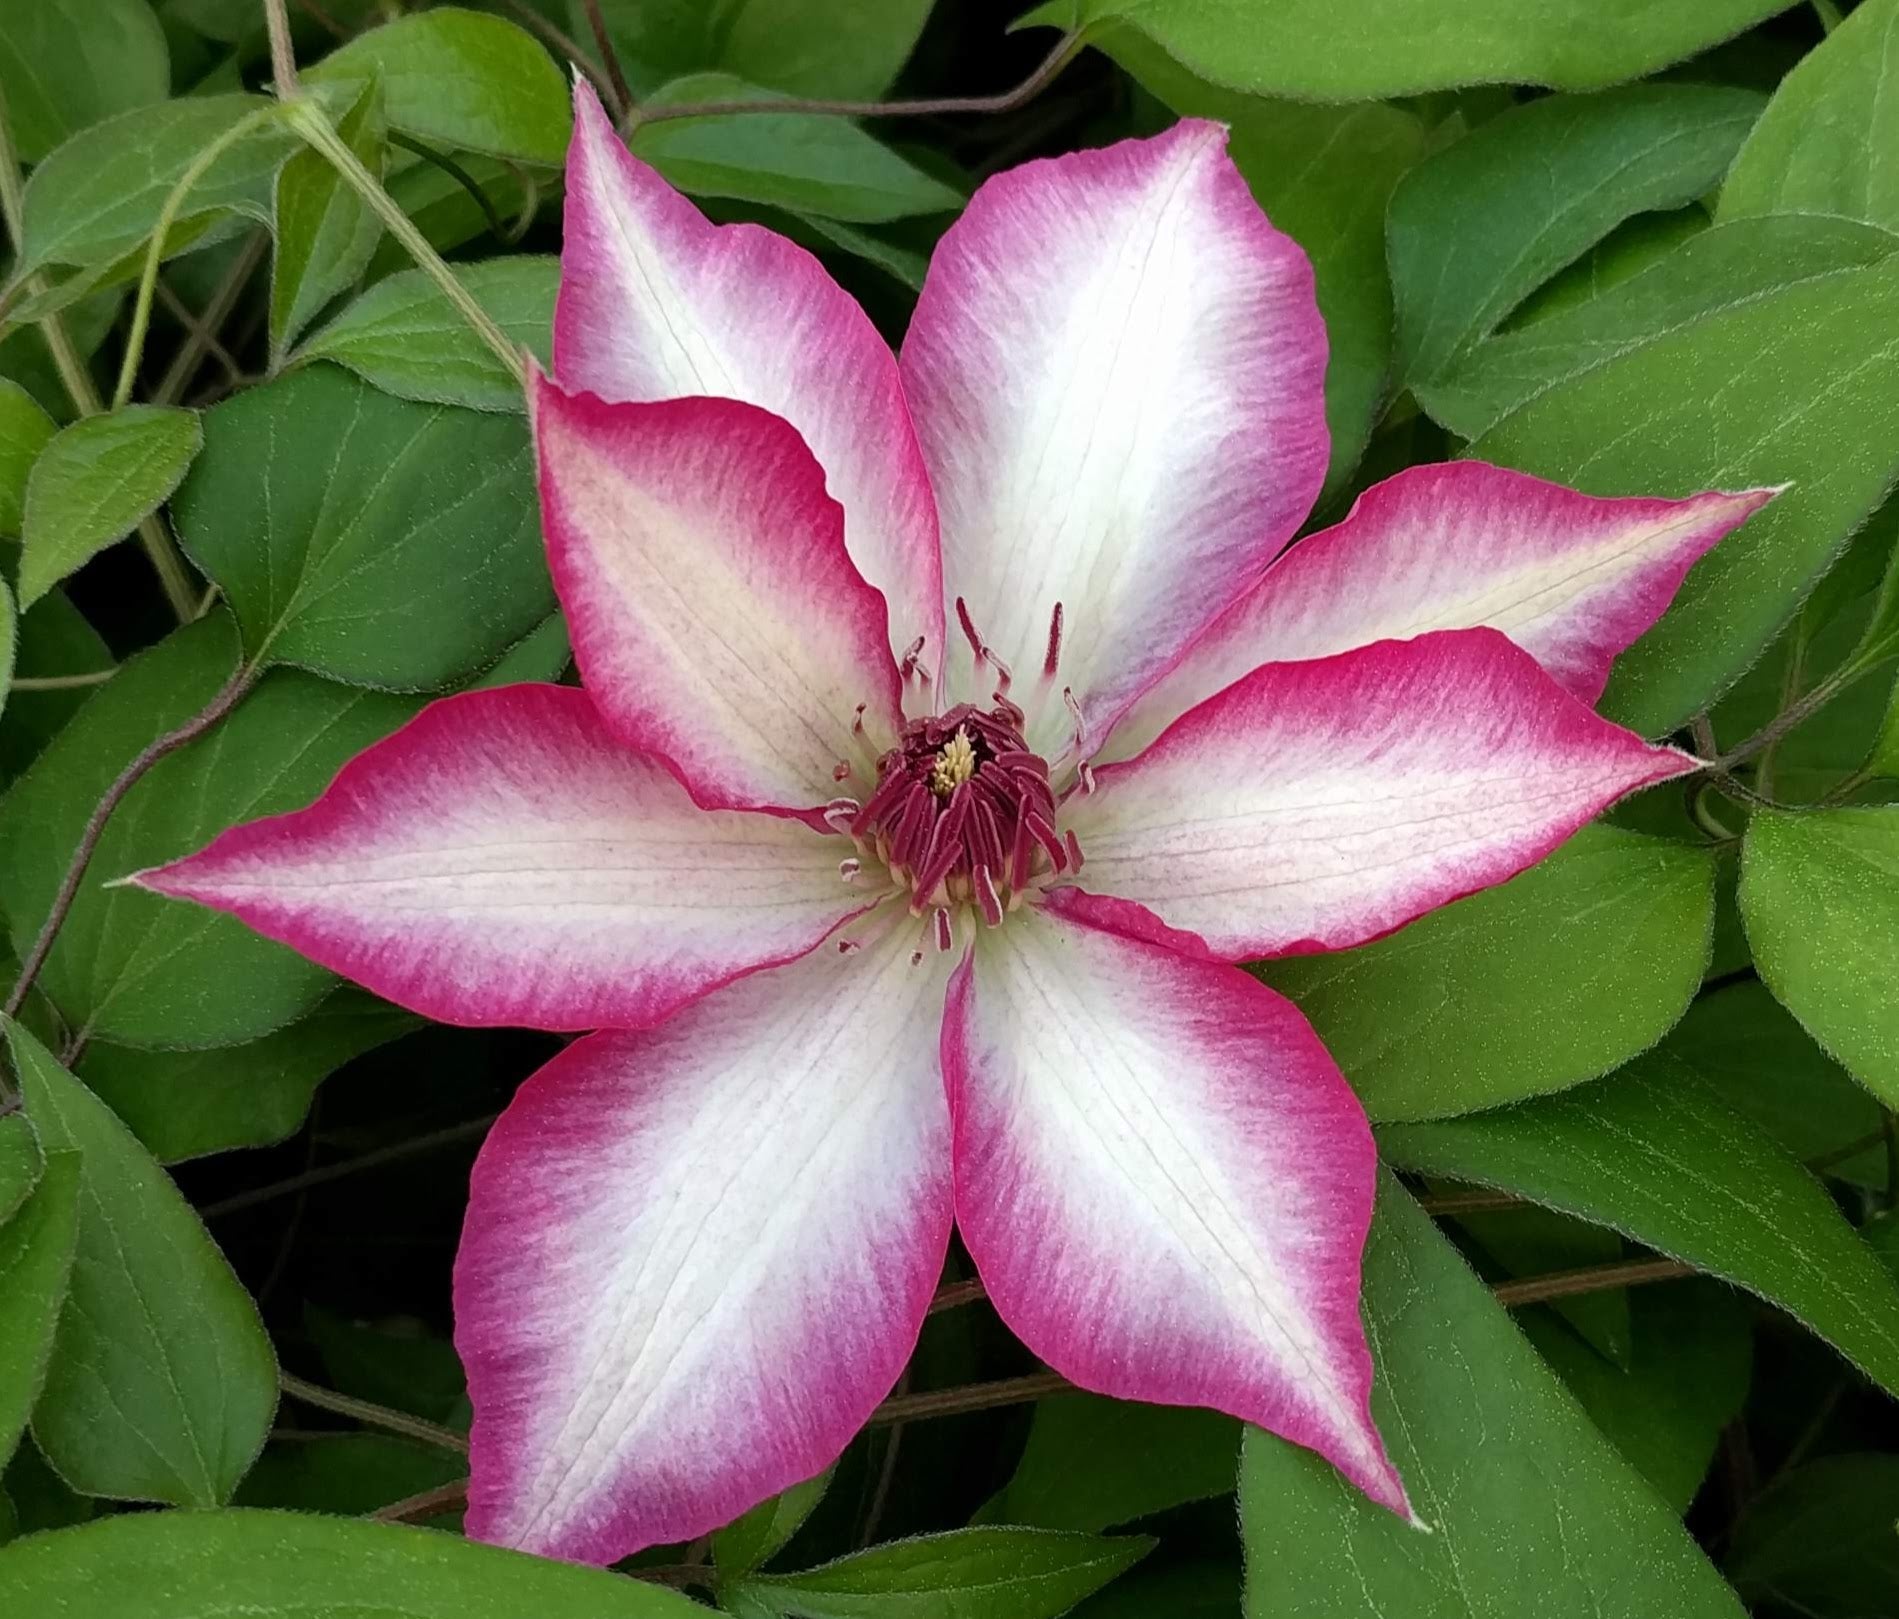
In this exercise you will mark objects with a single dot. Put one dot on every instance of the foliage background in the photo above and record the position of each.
(1631, 1288)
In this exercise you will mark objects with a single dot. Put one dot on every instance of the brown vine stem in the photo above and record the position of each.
(565, 44)
(425, 1503)
(1564, 1284)
(349, 1166)
(622, 93)
(227, 699)
(372, 1415)
(941, 106)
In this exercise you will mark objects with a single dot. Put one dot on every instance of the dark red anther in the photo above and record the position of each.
(1054, 658)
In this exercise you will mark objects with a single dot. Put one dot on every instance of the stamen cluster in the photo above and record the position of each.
(963, 812)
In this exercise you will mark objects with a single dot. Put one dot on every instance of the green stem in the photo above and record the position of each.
(195, 171)
(1797, 714)
(307, 119)
(1829, 15)
(63, 682)
(77, 380)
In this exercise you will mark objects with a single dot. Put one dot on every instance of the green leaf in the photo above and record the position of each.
(1717, 269)
(463, 79)
(98, 197)
(36, 1255)
(443, 210)
(404, 335)
(1686, 1379)
(1206, 1589)
(1820, 1541)
(162, 1384)
(1788, 387)
(130, 967)
(54, 639)
(20, 1161)
(326, 234)
(754, 1538)
(1552, 978)
(367, 538)
(1357, 50)
(1652, 1153)
(1829, 140)
(195, 1565)
(350, 1473)
(964, 1574)
(1477, 228)
(1092, 1463)
(24, 431)
(1750, 1050)
(394, 1365)
(805, 162)
(95, 482)
(26, 360)
(1533, 1510)
(1323, 176)
(1820, 895)
(65, 64)
(186, 1104)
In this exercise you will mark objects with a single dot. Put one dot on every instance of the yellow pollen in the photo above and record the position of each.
(954, 765)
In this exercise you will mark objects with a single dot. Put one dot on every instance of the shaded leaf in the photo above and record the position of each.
(347, 1473)
(1686, 1379)
(20, 1158)
(1533, 1511)
(24, 432)
(95, 482)
(1092, 1463)
(1822, 1540)
(185, 1104)
(65, 64)
(404, 335)
(53, 639)
(1552, 978)
(751, 1541)
(1652, 1153)
(363, 537)
(162, 1384)
(1753, 1053)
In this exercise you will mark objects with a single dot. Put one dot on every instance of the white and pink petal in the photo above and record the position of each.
(658, 303)
(716, 618)
(1314, 806)
(1573, 579)
(697, 1256)
(502, 859)
(1165, 1182)
(1117, 370)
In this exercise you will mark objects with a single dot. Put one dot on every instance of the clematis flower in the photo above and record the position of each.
(951, 725)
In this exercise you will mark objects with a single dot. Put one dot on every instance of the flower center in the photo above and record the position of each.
(963, 812)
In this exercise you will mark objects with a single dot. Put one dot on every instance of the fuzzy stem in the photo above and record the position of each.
(198, 168)
(283, 56)
(307, 119)
(622, 93)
